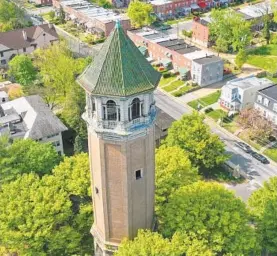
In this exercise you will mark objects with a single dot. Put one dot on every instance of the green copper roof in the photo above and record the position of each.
(119, 69)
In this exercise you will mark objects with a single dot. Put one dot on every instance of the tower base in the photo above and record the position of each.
(102, 247)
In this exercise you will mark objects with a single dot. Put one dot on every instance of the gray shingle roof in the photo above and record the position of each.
(119, 69)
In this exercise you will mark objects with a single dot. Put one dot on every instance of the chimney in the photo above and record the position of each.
(24, 35)
(50, 25)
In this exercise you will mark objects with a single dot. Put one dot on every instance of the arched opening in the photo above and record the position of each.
(135, 108)
(111, 110)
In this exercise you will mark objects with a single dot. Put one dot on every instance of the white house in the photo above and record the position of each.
(240, 93)
(25, 40)
(266, 103)
(30, 117)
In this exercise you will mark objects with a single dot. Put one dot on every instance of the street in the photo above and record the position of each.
(256, 171)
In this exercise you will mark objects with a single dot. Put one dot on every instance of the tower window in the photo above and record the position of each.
(135, 108)
(138, 174)
(111, 110)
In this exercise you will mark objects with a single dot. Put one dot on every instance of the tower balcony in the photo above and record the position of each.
(121, 127)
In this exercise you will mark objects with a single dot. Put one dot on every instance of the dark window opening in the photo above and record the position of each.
(138, 174)
(135, 108)
(96, 190)
(111, 110)
(104, 113)
(93, 106)
(24, 49)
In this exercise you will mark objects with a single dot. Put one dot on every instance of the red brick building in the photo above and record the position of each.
(43, 2)
(200, 32)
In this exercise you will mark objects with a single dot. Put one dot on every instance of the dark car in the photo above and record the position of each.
(260, 158)
(244, 147)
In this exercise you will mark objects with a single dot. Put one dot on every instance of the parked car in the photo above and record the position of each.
(260, 158)
(244, 147)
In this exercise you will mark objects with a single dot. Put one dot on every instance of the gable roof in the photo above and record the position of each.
(14, 39)
(39, 121)
(119, 69)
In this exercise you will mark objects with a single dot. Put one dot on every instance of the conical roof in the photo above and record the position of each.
(119, 69)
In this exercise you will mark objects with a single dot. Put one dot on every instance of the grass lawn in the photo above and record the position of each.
(173, 86)
(271, 153)
(182, 90)
(217, 114)
(167, 80)
(264, 57)
(206, 101)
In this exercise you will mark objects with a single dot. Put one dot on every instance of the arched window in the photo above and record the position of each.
(135, 108)
(111, 110)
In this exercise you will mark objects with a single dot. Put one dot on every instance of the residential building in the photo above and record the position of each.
(266, 103)
(26, 40)
(176, 53)
(240, 93)
(43, 2)
(95, 19)
(200, 32)
(30, 117)
(120, 115)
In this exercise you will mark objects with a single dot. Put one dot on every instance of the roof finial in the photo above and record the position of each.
(117, 24)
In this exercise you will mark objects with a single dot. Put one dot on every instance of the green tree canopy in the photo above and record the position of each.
(241, 58)
(208, 212)
(192, 135)
(173, 170)
(25, 156)
(263, 203)
(140, 13)
(229, 30)
(22, 69)
(51, 215)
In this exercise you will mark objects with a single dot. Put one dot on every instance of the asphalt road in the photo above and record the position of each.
(256, 171)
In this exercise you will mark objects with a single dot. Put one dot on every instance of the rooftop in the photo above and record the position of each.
(15, 39)
(31, 118)
(203, 22)
(248, 82)
(257, 10)
(207, 59)
(119, 69)
(93, 11)
(179, 45)
(270, 92)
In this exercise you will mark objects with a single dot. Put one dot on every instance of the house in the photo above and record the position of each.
(3, 97)
(240, 93)
(200, 32)
(25, 40)
(94, 18)
(30, 117)
(266, 103)
(202, 66)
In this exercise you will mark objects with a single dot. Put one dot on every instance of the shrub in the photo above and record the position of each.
(166, 74)
(208, 110)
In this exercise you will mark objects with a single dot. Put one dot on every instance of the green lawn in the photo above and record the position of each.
(173, 86)
(206, 101)
(271, 153)
(217, 114)
(167, 80)
(182, 90)
(264, 57)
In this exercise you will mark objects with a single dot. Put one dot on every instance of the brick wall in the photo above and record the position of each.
(200, 33)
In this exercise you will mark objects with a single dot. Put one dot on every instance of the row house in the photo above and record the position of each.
(94, 18)
(266, 103)
(203, 67)
(26, 40)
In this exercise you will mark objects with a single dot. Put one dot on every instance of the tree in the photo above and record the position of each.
(266, 28)
(263, 205)
(22, 69)
(78, 144)
(51, 15)
(209, 213)
(25, 156)
(258, 127)
(173, 170)
(229, 30)
(140, 13)
(61, 16)
(241, 58)
(51, 215)
(58, 72)
(204, 149)
(148, 243)
(15, 91)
